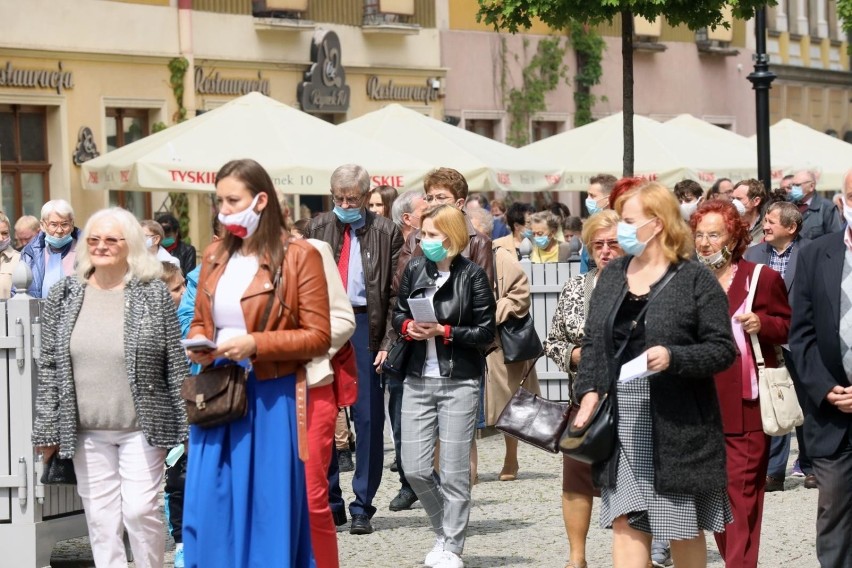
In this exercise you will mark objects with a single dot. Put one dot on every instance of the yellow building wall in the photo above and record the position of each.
(463, 17)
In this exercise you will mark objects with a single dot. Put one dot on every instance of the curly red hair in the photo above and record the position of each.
(734, 224)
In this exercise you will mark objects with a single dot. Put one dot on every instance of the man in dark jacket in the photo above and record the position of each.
(182, 251)
(821, 343)
(52, 254)
(366, 248)
(819, 215)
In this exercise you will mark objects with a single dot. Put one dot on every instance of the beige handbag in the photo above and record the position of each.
(779, 408)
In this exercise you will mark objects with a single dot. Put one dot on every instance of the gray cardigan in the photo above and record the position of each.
(690, 318)
(156, 365)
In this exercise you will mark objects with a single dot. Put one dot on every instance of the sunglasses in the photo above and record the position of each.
(108, 241)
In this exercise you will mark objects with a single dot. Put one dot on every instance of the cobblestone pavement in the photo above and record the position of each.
(520, 523)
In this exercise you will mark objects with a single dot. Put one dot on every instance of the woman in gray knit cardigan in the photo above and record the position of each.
(666, 475)
(110, 372)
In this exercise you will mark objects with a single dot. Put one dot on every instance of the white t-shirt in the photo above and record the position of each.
(227, 311)
(430, 366)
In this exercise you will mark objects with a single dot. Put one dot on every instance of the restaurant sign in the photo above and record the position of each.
(390, 91)
(213, 84)
(57, 79)
(324, 89)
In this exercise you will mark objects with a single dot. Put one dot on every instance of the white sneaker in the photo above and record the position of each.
(434, 555)
(449, 560)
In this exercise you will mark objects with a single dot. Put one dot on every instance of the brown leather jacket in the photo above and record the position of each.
(294, 334)
(380, 244)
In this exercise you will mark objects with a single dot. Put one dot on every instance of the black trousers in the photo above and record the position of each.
(834, 508)
(175, 482)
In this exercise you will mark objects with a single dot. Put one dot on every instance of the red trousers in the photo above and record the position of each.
(322, 413)
(747, 459)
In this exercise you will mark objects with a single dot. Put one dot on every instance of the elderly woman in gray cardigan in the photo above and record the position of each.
(111, 367)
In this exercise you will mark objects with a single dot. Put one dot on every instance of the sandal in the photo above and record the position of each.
(572, 565)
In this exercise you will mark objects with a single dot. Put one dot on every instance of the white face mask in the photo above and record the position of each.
(738, 205)
(847, 214)
(149, 242)
(687, 209)
(244, 223)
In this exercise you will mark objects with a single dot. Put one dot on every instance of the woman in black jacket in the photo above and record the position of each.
(441, 389)
(666, 475)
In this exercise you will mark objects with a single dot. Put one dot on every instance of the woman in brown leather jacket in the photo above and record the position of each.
(246, 503)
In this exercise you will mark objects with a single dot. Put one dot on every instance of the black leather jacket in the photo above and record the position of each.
(187, 256)
(465, 302)
(380, 244)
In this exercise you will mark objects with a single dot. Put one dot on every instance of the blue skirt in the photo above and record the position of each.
(245, 500)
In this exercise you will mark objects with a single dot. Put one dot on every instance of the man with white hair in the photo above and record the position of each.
(819, 215)
(407, 210)
(52, 254)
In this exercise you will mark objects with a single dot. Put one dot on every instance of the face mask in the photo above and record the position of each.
(4, 244)
(796, 193)
(627, 239)
(592, 206)
(434, 249)
(738, 205)
(542, 242)
(716, 260)
(149, 242)
(167, 242)
(847, 214)
(242, 224)
(57, 242)
(527, 233)
(687, 209)
(347, 216)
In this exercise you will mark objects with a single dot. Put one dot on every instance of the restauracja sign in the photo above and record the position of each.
(378, 91)
(36, 78)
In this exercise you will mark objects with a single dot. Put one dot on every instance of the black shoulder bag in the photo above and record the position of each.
(518, 337)
(594, 442)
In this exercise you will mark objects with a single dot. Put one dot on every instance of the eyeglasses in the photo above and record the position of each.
(439, 198)
(712, 237)
(64, 225)
(354, 201)
(111, 242)
(612, 244)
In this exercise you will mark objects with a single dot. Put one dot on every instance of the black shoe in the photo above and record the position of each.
(351, 444)
(393, 467)
(774, 484)
(339, 518)
(344, 461)
(403, 500)
(360, 525)
(810, 481)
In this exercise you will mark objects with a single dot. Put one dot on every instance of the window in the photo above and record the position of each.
(481, 126)
(542, 129)
(378, 12)
(24, 164)
(124, 126)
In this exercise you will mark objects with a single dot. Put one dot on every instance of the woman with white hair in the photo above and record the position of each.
(110, 372)
(9, 257)
(51, 255)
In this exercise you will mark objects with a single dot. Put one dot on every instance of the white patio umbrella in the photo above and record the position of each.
(486, 164)
(800, 147)
(298, 150)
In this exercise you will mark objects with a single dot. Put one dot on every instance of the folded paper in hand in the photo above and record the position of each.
(422, 310)
(635, 369)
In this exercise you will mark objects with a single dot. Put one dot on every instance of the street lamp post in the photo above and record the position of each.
(761, 79)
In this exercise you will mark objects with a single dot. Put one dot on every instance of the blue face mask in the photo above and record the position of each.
(527, 233)
(57, 242)
(434, 249)
(542, 242)
(592, 206)
(347, 216)
(628, 240)
(796, 193)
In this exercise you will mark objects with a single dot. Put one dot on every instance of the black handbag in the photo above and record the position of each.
(58, 471)
(533, 419)
(519, 339)
(595, 441)
(395, 365)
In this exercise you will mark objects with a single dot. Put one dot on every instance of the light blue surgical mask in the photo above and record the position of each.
(434, 249)
(57, 242)
(347, 216)
(628, 240)
(796, 193)
(542, 242)
(527, 234)
(592, 206)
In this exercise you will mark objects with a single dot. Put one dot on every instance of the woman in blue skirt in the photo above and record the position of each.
(262, 299)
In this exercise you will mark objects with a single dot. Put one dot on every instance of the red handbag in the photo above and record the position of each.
(345, 376)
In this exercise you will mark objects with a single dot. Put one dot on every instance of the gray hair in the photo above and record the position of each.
(348, 176)
(483, 219)
(27, 221)
(405, 204)
(58, 206)
(5, 219)
(788, 214)
(141, 264)
(154, 227)
(547, 217)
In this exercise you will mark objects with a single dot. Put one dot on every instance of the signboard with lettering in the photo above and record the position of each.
(324, 89)
(390, 91)
(57, 80)
(213, 84)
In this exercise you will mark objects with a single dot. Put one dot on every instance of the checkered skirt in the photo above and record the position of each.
(668, 516)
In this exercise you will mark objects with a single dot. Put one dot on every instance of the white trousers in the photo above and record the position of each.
(119, 476)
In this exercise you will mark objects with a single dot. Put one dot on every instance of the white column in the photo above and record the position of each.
(802, 18)
(822, 23)
(781, 16)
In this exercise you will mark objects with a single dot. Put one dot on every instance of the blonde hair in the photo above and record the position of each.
(140, 263)
(450, 221)
(658, 201)
(606, 219)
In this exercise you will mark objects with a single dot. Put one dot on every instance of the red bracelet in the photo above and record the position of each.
(405, 328)
(447, 337)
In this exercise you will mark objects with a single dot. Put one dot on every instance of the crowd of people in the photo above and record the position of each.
(669, 276)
